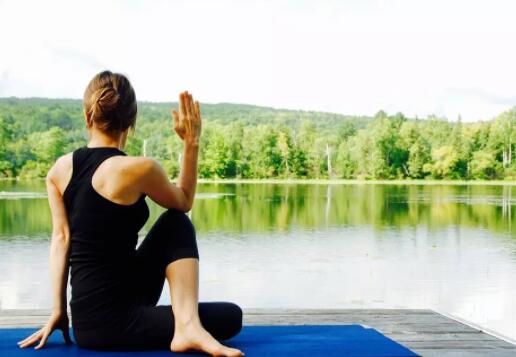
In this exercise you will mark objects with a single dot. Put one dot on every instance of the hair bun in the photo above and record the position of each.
(110, 100)
(105, 101)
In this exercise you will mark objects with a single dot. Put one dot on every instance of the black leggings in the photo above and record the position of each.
(172, 237)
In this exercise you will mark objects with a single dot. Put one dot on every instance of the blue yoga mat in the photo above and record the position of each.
(255, 341)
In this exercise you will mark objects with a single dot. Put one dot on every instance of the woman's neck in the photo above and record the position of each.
(99, 139)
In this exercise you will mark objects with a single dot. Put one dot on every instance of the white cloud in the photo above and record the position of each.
(355, 57)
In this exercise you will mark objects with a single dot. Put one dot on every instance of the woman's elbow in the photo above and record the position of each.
(184, 203)
(61, 237)
(186, 207)
(180, 205)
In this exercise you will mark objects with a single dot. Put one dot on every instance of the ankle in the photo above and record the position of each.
(187, 320)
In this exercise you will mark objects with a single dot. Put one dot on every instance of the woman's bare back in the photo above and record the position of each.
(122, 179)
(114, 179)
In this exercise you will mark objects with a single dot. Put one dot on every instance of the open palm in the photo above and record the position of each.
(55, 322)
(187, 123)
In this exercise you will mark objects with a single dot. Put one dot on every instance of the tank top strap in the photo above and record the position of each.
(86, 160)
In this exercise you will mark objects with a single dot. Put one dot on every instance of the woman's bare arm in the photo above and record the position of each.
(187, 181)
(155, 183)
(60, 242)
(59, 253)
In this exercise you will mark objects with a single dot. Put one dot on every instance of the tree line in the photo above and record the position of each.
(244, 141)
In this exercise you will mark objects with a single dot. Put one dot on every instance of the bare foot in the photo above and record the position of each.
(193, 336)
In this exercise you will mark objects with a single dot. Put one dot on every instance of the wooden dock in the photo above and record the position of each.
(423, 331)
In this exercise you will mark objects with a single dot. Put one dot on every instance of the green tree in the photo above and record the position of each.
(444, 163)
(6, 166)
(258, 142)
(216, 156)
(419, 156)
(48, 145)
(483, 165)
(457, 141)
(345, 165)
(502, 137)
(306, 142)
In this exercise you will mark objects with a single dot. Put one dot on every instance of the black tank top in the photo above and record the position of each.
(104, 235)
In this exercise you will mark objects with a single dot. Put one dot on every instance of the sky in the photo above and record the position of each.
(352, 57)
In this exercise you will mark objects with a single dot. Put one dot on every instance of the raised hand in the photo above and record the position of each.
(57, 321)
(187, 123)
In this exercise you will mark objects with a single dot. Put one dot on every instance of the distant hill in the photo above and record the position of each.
(249, 141)
(40, 114)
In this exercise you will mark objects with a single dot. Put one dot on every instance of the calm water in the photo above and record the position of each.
(448, 248)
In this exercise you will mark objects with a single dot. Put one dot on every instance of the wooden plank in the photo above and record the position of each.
(468, 353)
(458, 344)
(422, 337)
(424, 331)
(284, 311)
(273, 311)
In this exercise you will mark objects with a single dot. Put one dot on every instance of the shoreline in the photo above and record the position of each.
(334, 181)
(361, 182)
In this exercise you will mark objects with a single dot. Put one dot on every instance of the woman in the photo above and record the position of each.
(97, 200)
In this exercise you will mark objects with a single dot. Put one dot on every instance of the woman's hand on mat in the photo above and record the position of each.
(187, 123)
(57, 321)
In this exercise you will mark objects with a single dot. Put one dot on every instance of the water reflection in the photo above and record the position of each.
(264, 207)
(285, 207)
(450, 248)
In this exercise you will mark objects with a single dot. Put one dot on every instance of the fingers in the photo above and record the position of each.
(200, 120)
(175, 118)
(198, 116)
(43, 340)
(23, 342)
(197, 109)
(192, 106)
(28, 338)
(188, 121)
(178, 127)
(189, 105)
(182, 104)
(31, 339)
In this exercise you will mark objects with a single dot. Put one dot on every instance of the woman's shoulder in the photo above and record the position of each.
(62, 165)
(133, 166)
(132, 171)
(61, 171)
(136, 163)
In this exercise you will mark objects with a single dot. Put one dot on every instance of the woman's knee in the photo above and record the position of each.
(181, 241)
(177, 219)
(170, 238)
(234, 318)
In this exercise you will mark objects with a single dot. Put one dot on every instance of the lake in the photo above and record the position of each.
(451, 248)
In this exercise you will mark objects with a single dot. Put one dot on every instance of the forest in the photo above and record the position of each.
(252, 142)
